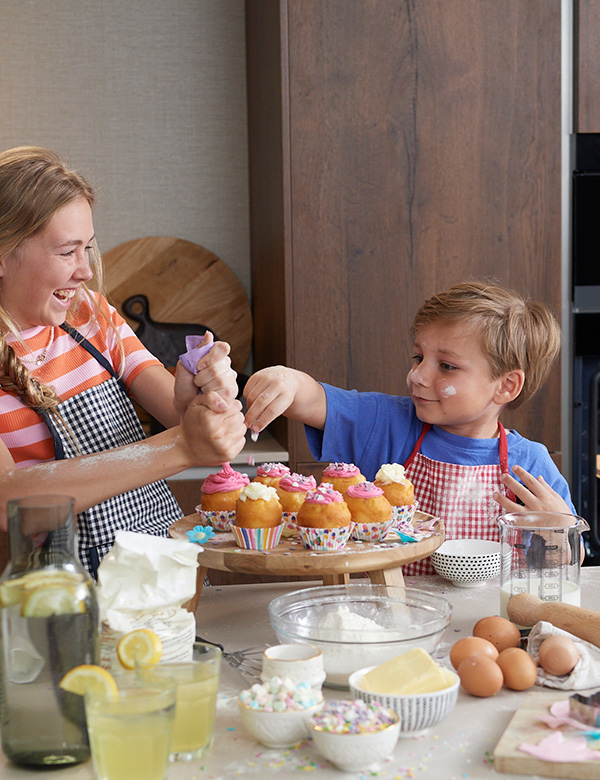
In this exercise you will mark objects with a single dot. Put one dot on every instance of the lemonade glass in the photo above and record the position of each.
(197, 684)
(130, 736)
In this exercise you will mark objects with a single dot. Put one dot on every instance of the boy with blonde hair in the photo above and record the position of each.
(479, 348)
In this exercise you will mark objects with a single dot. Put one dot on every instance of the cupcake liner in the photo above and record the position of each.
(289, 523)
(324, 538)
(370, 532)
(403, 515)
(257, 538)
(220, 521)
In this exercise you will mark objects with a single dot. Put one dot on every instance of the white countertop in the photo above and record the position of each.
(460, 747)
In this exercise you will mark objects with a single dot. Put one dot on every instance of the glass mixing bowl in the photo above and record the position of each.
(360, 624)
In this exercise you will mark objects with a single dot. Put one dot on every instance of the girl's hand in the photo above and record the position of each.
(213, 429)
(214, 374)
(269, 393)
(536, 494)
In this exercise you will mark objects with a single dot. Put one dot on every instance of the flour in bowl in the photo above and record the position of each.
(352, 641)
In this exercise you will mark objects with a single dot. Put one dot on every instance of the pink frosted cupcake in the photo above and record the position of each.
(342, 475)
(270, 473)
(324, 519)
(292, 490)
(371, 512)
(219, 495)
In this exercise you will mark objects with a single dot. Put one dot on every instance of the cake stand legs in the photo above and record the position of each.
(391, 576)
(192, 604)
(336, 579)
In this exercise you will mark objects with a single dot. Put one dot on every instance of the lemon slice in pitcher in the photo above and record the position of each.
(141, 647)
(54, 600)
(90, 679)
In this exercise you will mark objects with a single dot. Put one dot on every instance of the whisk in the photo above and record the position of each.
(247, 662)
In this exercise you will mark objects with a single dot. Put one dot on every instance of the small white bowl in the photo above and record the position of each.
(296, 662)
(417, 712)
(467, 563)
(278, 729)
(356, 752)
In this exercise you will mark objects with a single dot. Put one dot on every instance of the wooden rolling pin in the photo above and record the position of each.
(525, 609)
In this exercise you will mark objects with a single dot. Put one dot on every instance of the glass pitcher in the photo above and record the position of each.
(48, 624)
(541, 554)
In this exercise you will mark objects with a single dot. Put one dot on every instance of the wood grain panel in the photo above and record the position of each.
(423, 147)
(587, 68)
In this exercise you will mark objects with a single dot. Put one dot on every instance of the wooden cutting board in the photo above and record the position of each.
(526, 727)
(184, 283)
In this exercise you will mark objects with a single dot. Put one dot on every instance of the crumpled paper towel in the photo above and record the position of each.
(143, 582)
(194, 352)
(586, 673)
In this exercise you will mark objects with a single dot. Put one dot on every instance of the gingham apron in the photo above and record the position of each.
(460, 495)
(102, 418)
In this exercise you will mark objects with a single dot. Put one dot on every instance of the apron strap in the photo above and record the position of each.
(76, 335)
(504, 458)
(417, 447)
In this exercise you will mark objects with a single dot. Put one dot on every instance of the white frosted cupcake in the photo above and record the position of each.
(398, 490)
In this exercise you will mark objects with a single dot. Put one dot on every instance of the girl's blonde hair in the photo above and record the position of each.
(515, 333)
(34, 184)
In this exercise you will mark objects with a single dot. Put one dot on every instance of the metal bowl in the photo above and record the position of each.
(360, 624)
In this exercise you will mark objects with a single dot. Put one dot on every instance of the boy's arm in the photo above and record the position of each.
(280, 390)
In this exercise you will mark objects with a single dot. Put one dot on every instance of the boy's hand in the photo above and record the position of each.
(536, 494)
(269, 392)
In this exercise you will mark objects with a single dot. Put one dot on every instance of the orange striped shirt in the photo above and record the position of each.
(71, 370)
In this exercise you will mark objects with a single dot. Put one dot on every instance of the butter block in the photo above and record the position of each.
(409, 673)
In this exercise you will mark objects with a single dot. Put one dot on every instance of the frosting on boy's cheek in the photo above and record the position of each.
(448, 391)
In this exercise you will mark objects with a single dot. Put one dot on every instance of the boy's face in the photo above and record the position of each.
(450, 382)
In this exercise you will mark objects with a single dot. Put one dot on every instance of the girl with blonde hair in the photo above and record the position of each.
(70, 367)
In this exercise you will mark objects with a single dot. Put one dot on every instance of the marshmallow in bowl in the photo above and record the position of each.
(279, 695)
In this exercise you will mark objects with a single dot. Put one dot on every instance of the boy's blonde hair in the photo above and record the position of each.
(34, 184)
(515, 333)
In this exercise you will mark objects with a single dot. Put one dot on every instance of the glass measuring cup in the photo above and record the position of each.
(541, 554)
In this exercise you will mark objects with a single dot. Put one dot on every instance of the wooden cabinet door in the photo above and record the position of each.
(410, 146)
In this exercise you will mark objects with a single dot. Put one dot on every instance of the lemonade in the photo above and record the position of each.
(48, 625)
(195, 713)
(130, 735)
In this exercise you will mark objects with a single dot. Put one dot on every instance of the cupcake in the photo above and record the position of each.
(324, 519)
(342, 475)
(270, 473)
(258, 517)
(219, 494)
(398, 490)
(370, 510)
(292, 490)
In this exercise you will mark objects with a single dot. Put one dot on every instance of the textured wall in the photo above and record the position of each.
(148, 99)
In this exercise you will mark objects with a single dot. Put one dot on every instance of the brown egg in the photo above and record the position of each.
(518, 668)
(499, 631)
(469, 645)
(480, 675)
(558, 655)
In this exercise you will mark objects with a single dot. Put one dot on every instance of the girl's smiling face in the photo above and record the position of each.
(450, 381)
(43, 275)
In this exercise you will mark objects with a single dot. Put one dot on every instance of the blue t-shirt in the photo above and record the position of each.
(369, 429)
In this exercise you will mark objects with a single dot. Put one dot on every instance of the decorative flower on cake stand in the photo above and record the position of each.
(200, 534)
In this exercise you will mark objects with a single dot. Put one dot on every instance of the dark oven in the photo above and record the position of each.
(586, 337)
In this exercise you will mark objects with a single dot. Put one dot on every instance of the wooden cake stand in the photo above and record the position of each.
(382, 561)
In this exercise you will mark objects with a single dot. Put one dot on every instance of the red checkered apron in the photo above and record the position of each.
(460, 495)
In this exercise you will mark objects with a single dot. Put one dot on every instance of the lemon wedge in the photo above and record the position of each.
(141, 647)
(90, 679)
(53, 600)
(14, 591)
